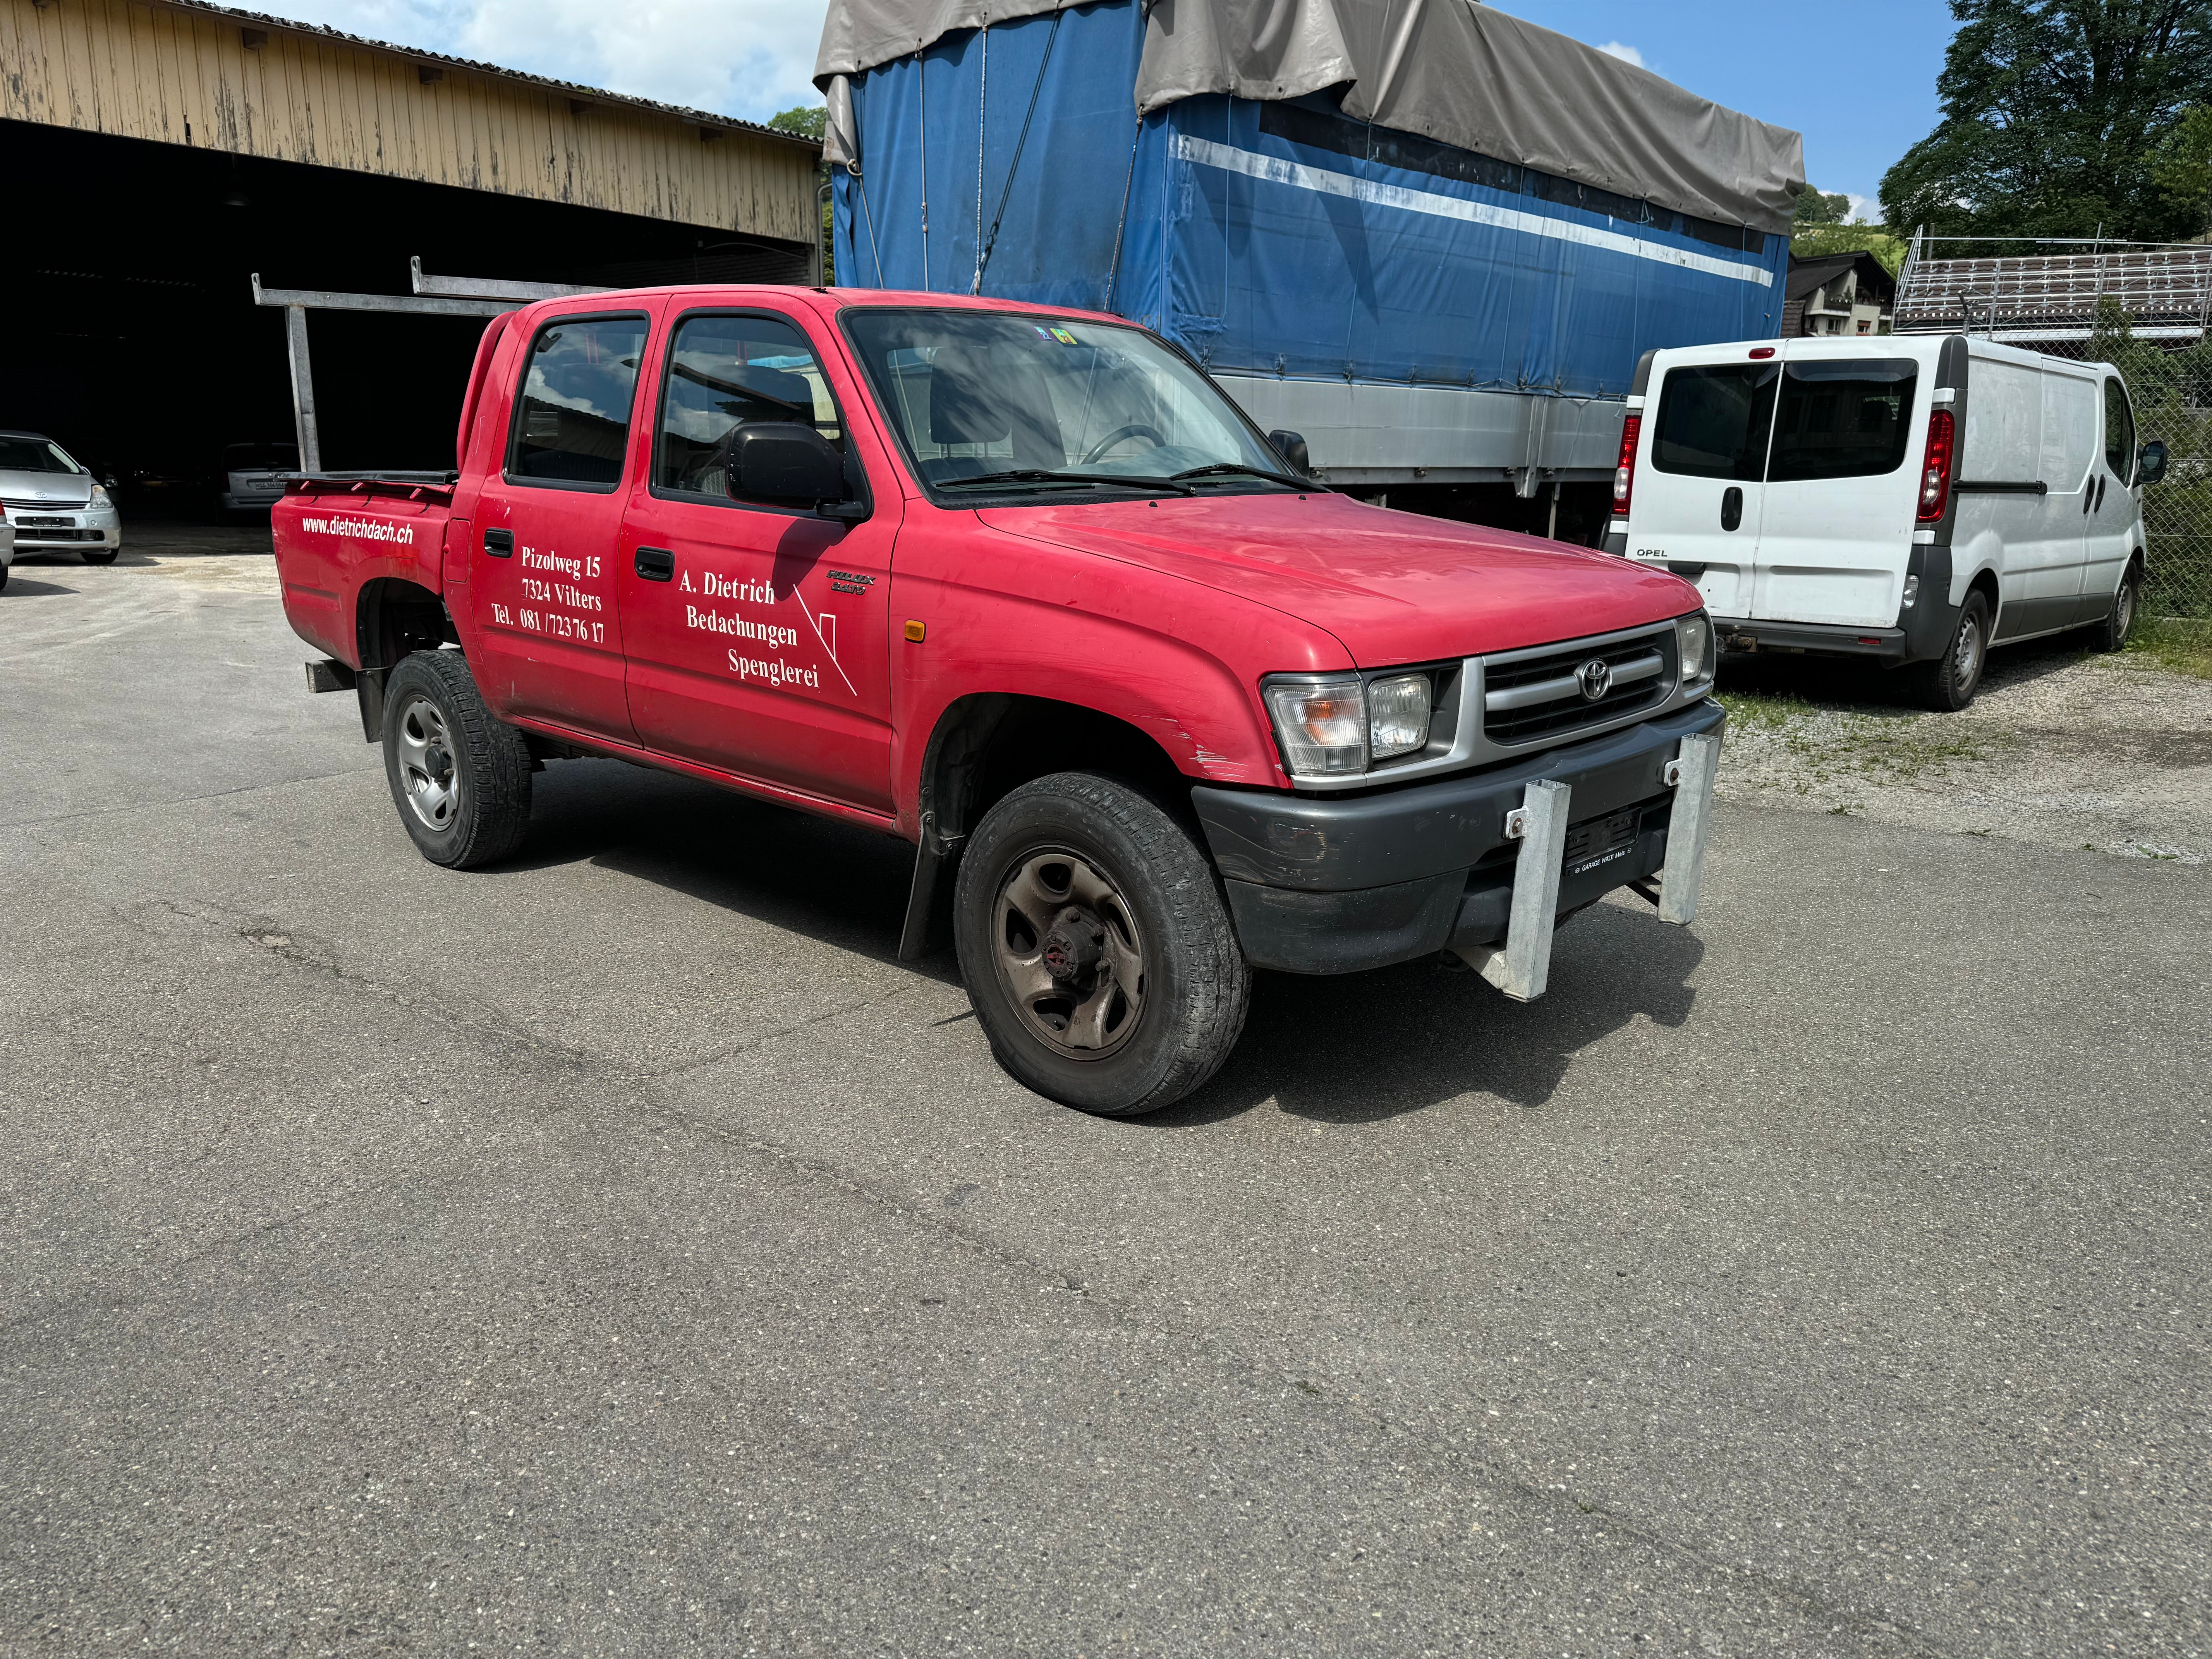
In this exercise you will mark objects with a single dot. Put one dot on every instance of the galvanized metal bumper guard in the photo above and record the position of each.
(1521, 967)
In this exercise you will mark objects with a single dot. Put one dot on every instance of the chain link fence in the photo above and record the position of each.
(2171, 390)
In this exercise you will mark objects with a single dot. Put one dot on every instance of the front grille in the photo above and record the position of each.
(28, 533)
(45, 507)
(1533, 695)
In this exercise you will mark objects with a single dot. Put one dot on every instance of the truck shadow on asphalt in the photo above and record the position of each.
(1347, 1049)
(1362, 1048)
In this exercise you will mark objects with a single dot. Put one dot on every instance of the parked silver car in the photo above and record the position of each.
(53, 504)
(253, 475)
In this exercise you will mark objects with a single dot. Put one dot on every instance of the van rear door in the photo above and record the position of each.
(1842, 480)
(1699, 490)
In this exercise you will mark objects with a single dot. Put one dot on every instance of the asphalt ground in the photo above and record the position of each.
(619, 1252)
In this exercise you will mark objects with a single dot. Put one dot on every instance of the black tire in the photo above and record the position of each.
(459, 776)
(1147, 897)
(1948, 684)
(100, 555)
(2111, 634)
(3, 578)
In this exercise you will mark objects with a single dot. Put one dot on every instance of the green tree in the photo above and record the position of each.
(1815, 209)
(2059, 117)
(806, 120)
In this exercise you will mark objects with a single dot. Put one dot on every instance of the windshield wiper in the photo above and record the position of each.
(1043, 475)
(1221, 467)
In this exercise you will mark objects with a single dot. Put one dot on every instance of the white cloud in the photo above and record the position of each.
(1864, 209)
(744, 58)
(1625, 53)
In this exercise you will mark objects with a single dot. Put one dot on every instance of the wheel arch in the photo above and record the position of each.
(393, 618)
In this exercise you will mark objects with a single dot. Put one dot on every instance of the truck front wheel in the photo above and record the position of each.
(459, 775)
(1097, 951)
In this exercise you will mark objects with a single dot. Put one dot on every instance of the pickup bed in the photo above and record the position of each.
(1021, 586)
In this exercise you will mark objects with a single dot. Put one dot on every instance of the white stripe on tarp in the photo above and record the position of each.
(1275, 171)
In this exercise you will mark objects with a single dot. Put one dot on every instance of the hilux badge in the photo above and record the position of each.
(1596, 677)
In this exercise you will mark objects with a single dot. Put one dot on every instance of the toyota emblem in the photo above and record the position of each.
(1595, 678)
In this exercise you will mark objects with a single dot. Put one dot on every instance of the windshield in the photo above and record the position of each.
(20, 454)
(976, 394)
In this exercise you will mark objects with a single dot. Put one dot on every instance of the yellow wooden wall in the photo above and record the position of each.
(182, 74)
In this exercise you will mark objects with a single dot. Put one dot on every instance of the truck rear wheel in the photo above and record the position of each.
(1948, 684)
(459, 775)
(1097, 951)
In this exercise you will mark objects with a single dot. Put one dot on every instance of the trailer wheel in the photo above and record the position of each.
(1948, 684)
(1096, 947)
(459, 775)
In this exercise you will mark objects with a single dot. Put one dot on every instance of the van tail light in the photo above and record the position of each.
(1624, 472)
(1935, 470)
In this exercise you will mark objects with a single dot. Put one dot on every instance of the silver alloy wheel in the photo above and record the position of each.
(1966, 654)
(1068, 954)
(426, 763)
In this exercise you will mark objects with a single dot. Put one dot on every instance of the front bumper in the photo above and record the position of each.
(1336, 885)
(73, 529)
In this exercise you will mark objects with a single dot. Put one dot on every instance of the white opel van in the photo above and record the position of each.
(1909, 499)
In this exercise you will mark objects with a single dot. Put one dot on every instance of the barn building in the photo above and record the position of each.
(160, 153)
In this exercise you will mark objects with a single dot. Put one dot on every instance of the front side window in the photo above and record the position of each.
(572, 421)
(1843, 418)
(2119, 432)
(1714, 421)
(726, 373)
(34, 455)
(976, 396)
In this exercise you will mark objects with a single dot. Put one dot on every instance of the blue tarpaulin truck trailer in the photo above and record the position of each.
(1432, 238)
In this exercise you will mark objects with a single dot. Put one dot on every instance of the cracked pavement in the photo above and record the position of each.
(619, 1252)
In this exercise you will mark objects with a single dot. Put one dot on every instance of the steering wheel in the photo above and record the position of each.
(1119, 434)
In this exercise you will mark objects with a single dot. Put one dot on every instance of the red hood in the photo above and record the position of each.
(1392, 586)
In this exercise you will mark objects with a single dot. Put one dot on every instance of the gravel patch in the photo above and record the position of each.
(2064, 747)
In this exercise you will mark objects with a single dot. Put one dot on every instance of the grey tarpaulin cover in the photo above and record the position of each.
(1464, 74)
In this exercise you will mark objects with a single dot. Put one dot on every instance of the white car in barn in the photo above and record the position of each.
(53, 504)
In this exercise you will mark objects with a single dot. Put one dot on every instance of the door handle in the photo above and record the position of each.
(655, 564)
(2100, 489)
(499, 544)
(1731, 508)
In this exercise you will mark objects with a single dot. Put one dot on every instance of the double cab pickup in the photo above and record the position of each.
(1023, 587)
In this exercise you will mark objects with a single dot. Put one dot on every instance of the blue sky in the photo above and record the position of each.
(1858, 80)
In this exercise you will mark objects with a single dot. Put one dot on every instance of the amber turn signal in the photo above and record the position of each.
(914, 632)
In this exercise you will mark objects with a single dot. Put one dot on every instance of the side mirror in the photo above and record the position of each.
(1291, 447)
(2152, 467)
(786, 463)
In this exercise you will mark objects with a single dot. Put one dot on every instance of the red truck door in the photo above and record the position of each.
(542, 588)
(756, 633)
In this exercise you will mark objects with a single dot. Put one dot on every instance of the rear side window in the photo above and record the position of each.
(1714, 420)
(726, 373)
(572, 421)
(1843, 418)
(2119, 431)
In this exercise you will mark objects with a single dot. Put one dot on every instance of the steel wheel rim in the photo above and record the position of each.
(428, 777)
(1067, 952)
(2127, 608)
(1966, 654)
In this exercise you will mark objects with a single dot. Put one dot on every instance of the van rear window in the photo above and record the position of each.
(1845, 417)
(1713, 420)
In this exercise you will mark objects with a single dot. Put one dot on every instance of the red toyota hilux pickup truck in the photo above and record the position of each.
(1023, 588)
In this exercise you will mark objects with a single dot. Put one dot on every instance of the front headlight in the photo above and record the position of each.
(1397, 716)
(1334, 727)
(100, 498)
(1697, 650)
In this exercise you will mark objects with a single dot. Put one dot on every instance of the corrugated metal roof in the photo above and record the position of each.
(571, 88)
